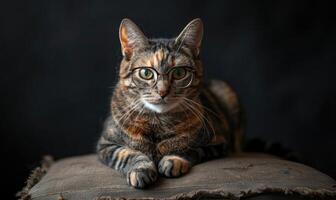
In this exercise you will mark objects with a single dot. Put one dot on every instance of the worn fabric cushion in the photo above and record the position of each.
(84, 177)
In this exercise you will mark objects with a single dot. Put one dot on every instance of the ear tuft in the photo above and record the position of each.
(192, 35)
(131, 37)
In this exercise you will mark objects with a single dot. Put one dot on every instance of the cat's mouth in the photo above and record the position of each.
(159, 105)
(157, 101)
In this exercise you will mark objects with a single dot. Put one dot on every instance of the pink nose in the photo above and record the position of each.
(163, 93)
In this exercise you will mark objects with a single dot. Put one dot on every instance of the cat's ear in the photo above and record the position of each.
(192, 35)
(131, 37)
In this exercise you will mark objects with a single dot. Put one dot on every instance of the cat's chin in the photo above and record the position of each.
(161, 107)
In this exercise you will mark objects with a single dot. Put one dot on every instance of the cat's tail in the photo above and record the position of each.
(229, 102)
(260, 145)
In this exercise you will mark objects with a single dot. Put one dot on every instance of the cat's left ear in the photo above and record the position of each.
(131, 37)
(192, 36)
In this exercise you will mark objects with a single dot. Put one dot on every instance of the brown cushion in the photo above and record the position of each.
(84, 177)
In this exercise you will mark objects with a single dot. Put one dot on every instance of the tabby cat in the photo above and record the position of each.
(164, 119)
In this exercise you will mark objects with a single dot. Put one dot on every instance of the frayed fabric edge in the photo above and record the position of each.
(220, 194)
(34, 177)
(299, 191)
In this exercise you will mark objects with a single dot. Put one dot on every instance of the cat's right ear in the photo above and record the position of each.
(131, 37)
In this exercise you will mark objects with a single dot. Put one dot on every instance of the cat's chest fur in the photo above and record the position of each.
(155, 127)
(146, 132)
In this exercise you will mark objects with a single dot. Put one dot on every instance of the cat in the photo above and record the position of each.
(164, 117)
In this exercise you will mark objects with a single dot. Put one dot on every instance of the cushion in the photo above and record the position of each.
(237, 176)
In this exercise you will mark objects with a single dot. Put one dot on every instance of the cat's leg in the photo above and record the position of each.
(175, 165)
(138, 168)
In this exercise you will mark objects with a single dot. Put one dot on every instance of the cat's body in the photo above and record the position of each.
(164, 119)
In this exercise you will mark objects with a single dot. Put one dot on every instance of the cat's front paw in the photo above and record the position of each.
(142, 175)
(173, 166)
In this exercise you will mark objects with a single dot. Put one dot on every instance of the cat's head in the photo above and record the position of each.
(160, 73)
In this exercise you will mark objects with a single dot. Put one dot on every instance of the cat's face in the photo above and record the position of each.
(161, 73)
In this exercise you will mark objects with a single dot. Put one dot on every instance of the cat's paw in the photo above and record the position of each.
(173, 166)
(142, 175)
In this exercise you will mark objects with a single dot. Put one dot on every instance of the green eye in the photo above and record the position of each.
(146, 74)
(179, 73)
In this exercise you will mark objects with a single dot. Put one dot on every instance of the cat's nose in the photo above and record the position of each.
(163, 93)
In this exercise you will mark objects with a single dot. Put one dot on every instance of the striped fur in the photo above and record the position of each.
(197, 123)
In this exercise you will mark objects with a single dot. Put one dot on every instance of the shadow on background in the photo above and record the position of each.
(59, 61)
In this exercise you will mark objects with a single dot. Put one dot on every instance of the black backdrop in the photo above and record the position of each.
(59, 60)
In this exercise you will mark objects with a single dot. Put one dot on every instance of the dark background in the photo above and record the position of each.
(59, 60)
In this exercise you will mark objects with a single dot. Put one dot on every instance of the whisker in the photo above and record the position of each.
(206, 108)
(196, 115)
(205, 119)
(200, 118)
(130, 114)
(128, 109)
